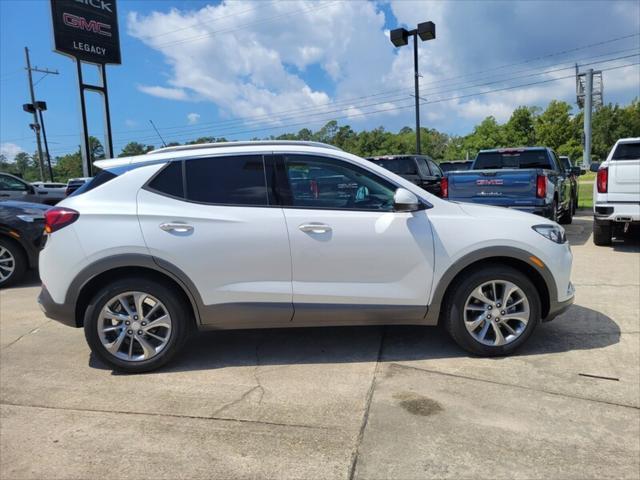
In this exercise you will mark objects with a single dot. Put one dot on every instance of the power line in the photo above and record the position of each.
(396, 108)
(223, 128)
(387, 93)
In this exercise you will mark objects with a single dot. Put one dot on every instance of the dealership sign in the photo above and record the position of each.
(86, 30)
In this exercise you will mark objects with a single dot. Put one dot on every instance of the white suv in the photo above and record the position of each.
(616, 191)
(288, 234)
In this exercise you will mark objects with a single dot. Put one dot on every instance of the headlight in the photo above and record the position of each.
(555, 233)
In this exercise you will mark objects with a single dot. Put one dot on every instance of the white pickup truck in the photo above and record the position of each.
(616, 192)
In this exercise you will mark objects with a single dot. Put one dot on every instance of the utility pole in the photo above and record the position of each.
(588, 102)
(36, 122)
(589, 94)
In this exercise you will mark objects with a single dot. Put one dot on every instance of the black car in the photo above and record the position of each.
(418, 169)
(21, 237)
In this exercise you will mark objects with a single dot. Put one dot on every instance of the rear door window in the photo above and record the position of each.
(229, 180)
(627, 151)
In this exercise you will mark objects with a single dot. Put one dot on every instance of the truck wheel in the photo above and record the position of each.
(601, 232)
(567, 216)
(492, 310)
(553, 215)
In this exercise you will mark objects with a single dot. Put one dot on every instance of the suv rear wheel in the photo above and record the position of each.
(492, 311)
(136, 324)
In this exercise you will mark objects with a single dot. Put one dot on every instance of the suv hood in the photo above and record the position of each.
(502, 213)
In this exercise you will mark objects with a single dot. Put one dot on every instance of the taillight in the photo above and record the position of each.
(603, 180)
(444, 187)
(59, 217)
(541, 186)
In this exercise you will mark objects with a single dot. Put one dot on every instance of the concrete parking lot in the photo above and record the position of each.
(365, 403)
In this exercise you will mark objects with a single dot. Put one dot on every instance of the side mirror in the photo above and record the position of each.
(594, 166)
(405, 201)
(577, 171)
(31, 189)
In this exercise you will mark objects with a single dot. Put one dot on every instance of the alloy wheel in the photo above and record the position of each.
(496, 313)
(134, 326)
(7, 264)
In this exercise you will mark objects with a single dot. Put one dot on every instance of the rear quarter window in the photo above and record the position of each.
(169, 180)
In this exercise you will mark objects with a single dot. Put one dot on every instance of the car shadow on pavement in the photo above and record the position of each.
(580, 230)
(579, 328)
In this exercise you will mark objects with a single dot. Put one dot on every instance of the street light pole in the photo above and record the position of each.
(416, 76)
(400, 37)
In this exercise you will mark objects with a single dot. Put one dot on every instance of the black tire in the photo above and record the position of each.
(553, 214)
(460, 291)
(19, 262)
(601, 232)
(182, 322)
(567, 216)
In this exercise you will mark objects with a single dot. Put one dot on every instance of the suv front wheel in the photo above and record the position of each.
(136, 324)
(492, 311)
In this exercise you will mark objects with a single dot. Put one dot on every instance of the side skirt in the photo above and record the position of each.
(232, 316)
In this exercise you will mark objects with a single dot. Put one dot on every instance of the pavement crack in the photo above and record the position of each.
(242, 397)
(504, 384)
(169, 415)
(367, 408)
(35, 329)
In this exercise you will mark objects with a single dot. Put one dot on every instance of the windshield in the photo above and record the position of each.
(627, 151)
(400, 166)
(513, 159)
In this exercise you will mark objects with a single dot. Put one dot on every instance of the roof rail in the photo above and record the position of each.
(197, 146)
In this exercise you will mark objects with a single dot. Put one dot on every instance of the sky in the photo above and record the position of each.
(243, 69)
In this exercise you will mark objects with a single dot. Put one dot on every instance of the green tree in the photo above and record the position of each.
(135, 148)
(520, 129)
(68, 166)
(553, 127)
(488, 134)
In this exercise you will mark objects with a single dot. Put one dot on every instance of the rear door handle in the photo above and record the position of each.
(314, 228)
(176, 227)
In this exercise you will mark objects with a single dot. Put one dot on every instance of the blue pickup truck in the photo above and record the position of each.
(530, 179)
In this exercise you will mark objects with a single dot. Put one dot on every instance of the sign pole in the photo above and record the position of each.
(107, 114)
(87, 31)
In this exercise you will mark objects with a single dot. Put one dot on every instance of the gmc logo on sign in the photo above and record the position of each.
(497, 181)
(81, 23)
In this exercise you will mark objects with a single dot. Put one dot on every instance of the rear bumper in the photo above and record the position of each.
(60, 312)
(617, 212)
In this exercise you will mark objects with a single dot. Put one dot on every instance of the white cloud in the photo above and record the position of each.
(10, 150)
(192, 118)
(261, 59)
(164, 92)
(130, 123)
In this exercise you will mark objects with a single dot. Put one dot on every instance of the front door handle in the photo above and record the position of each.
(314, 228)
(177, 227)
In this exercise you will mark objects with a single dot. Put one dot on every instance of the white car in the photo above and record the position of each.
(288, 234)
(53, 190)
(616, 191)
